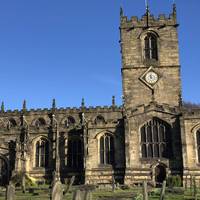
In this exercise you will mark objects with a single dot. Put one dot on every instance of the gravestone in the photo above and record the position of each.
(57, 191)
(23, 183)
(113, 183)
(82, 195)
(77, 195)
(162, 194)
(145, 193)
(88, 195)
(71, 182)
(10, 192)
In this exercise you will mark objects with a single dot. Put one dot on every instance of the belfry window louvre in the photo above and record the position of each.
(107, 149)
(42, 153)
(198, 144)
(150, 49)
(155, 139)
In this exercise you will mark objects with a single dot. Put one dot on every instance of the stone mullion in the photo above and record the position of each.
(104, 149)
(72, 152)
(152, 138)
(77, 152)
(109, 152)
(159, 140)
(146, 143)
(66, 151)
(150, 47)
(39, 155)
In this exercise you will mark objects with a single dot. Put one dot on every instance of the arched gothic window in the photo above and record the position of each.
(75, 153)
(40, 122)
(151, 49)
(107, 149)
(42, 153)
(100, 120)
(12, 122)
(198, 144)
(3, 172)
(70, 121)
(155, 139)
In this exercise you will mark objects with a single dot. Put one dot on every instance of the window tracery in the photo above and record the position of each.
(198, 144)
(106, 149)
(42, 153)
(155, 139)
(75, 153)
(150, 49)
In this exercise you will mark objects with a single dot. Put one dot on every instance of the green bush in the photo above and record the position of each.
(174, 181)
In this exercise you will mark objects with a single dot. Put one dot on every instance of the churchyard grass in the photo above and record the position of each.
(43, 193)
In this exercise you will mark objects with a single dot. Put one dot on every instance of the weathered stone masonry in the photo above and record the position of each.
(149, 137)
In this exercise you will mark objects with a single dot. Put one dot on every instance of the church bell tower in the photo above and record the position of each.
(150, 60)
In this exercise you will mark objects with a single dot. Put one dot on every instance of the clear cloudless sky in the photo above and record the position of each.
(69, 49)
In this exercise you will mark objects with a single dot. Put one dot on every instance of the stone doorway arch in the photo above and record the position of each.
(4, 171)
(160, 174)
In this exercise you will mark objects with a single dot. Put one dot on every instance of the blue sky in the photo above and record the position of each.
(68, 49)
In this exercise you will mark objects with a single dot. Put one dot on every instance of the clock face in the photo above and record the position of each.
(151, 77)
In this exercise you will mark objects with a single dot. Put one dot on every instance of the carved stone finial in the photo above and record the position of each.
(54, 104)
(147, 14)
(174, 14)
(2, 107)
(174, 9)
(24, 106)
(83, 103)
(113, 101)
(123, 99)
(147, 6)
(121, 12)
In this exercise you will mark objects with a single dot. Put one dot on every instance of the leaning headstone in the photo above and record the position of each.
(186, 182)
(70, 183)
(145, 193)
(57, 191)
(194, 189)
(191, 183)
(88, 195)
(113, 183)
(23, 183)
(162, 194)
(10, 192)
(77, 195)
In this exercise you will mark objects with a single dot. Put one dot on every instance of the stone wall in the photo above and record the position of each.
(168, 88)
(190, 124)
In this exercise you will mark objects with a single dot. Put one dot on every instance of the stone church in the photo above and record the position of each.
(151, 136)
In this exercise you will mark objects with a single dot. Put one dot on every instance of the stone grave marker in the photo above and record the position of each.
(69, 185)
(10, 192)
(88, 195)
(23, 183)
(145, 192)
(82, 195)
(77, 195)
(57, 191)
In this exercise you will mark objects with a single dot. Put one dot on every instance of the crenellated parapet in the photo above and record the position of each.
(191, 113)
(63, 110)
(149, 20)
(68, 118)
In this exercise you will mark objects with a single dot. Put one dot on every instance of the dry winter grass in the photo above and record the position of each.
(128, 194)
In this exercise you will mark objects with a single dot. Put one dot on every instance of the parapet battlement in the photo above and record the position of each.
(54, 109)
(149, 20)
